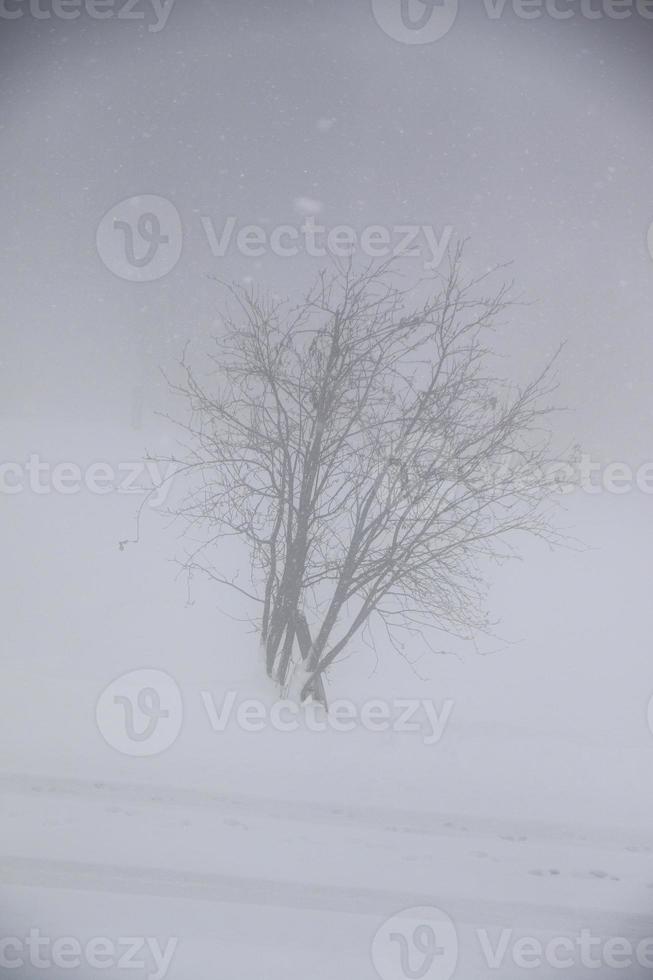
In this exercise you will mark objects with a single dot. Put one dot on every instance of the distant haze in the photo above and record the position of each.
(531, 137)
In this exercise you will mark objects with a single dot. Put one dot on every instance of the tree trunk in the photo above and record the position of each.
(305, 646)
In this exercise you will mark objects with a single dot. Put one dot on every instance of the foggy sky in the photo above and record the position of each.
(532, 138)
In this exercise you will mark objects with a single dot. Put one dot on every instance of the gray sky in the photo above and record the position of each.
(533, 138)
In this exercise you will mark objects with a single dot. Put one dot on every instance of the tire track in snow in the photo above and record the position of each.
(221, 888)
(379, 818)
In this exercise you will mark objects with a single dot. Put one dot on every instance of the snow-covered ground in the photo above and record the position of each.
(280, 854)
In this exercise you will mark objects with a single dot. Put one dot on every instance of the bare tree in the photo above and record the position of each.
(365, 451)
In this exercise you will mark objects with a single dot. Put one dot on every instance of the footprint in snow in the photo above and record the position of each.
(596, 875)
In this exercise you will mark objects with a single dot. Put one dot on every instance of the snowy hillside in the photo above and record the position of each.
(267, 850)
